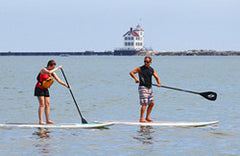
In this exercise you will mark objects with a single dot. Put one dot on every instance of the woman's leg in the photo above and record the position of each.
(47, 110)
(40, 109)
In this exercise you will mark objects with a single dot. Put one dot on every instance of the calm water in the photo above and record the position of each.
(105, 91)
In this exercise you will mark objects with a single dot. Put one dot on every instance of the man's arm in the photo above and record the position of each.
(135, 71)
(157, 78)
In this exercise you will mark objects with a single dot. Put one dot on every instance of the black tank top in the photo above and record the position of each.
(145, 76)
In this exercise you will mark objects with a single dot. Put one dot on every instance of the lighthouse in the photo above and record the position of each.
(133, 42)
(134, 39)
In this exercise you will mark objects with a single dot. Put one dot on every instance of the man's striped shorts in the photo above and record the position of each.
(145, 95)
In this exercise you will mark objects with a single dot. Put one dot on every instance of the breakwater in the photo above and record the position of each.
(53, 53)
(128, 53)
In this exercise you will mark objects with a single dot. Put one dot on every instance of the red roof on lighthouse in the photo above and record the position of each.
(131, 32)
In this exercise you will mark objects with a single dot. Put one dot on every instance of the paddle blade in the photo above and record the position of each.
(84, 121)
(209, 95)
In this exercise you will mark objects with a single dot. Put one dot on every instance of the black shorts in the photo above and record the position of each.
(41, 92)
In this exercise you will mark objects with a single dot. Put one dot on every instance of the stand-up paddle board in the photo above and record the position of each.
(171, 124)
(71, 125)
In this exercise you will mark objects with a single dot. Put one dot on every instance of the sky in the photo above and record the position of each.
(99, 25)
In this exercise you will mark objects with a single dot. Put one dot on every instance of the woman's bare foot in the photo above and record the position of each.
(149, 120)
(42, 123)
(50, 122)
(142, 120)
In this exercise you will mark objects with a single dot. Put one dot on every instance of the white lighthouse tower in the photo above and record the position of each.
(133, 42)
(134, 39)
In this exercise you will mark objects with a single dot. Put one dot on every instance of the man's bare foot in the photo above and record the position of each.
(50, 122)
(42, 123)
(142, 120)
(149, 120)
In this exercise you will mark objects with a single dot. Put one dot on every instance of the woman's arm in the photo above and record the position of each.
(60, 81)
(44, 70)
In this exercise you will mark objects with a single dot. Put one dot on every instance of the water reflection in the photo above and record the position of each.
(144, 135)
(43, 133)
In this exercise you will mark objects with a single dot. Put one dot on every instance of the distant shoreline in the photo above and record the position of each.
(193, 53)
(141, 53)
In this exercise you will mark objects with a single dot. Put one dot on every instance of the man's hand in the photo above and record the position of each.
(137, 81)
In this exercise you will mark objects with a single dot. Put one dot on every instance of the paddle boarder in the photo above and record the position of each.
(45, 79)
(145, 74)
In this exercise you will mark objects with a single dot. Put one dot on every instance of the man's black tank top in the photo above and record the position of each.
(145, 76)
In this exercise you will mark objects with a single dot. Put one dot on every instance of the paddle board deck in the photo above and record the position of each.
(171, 124)
(71, 125)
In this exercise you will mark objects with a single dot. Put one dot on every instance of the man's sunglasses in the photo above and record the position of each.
(147, 61)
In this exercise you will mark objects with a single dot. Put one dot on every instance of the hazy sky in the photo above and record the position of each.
(79, 25)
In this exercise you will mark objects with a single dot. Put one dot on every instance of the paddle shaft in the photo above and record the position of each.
(83, 120)
(178, 89)
(208, 95)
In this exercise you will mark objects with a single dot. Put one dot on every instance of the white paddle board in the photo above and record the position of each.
(171, 124)
(71, 125)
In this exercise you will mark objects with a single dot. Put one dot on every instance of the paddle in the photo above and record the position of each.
(83, 120)
(208, 95)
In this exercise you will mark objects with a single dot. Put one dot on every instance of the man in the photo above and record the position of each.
(145, 73)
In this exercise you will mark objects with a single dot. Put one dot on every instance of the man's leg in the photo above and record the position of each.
(149, 110)
(142, 113)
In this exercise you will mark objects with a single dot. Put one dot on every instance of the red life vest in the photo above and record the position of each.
(44, 81)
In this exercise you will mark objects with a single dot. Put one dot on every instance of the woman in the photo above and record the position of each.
(45, 79)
